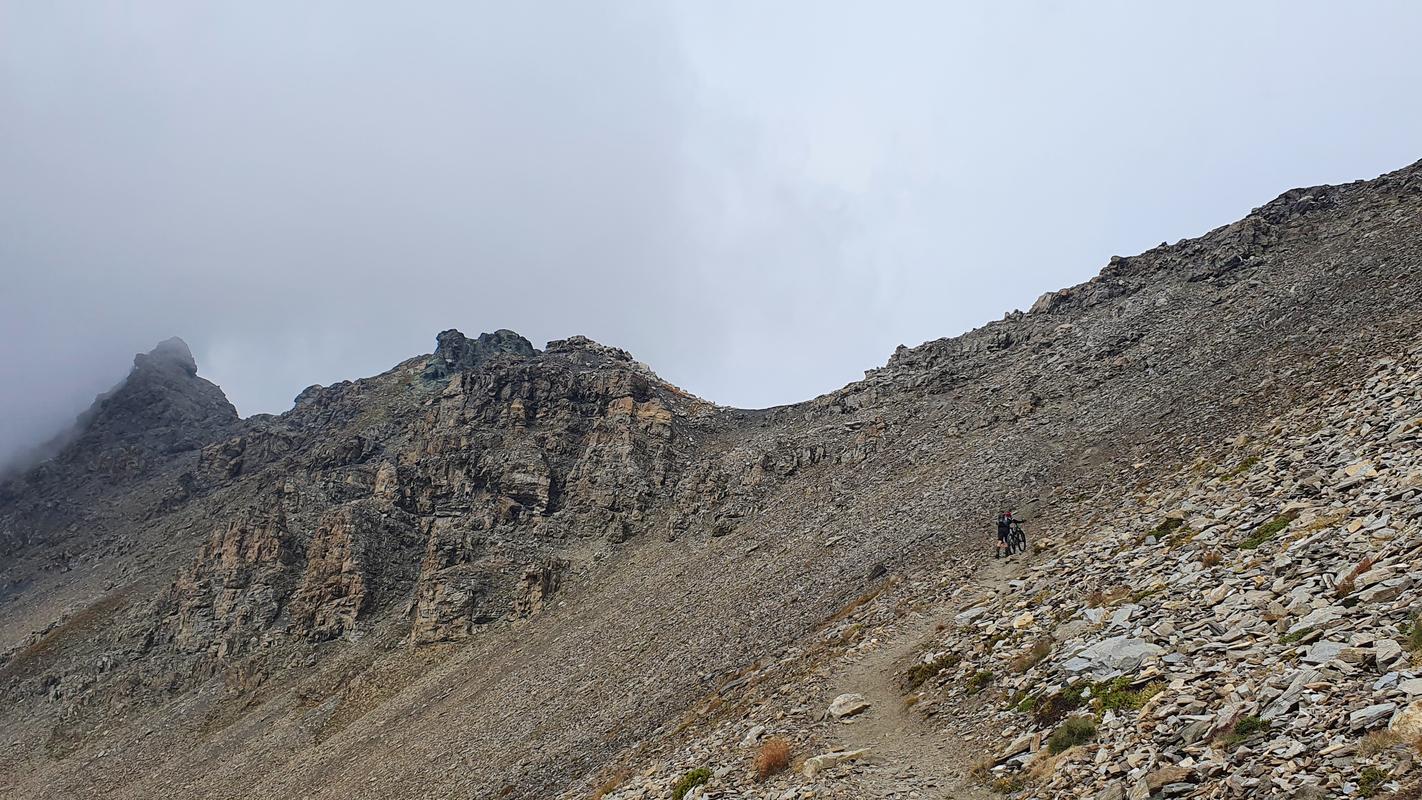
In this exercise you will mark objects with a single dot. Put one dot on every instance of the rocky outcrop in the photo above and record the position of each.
(456, 353)
(355, 562)
(231, 596)
(131, 436)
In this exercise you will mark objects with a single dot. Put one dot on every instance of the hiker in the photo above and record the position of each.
(1004, 532)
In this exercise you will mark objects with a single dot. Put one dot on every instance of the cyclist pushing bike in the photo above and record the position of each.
(1010, 536)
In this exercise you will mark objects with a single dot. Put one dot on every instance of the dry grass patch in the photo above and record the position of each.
(1032, 656)
(1101, 599)
(855, 604)
(613, 781)
(1325, 520)
(1377, 741)
(1345, 587)
(772, 758)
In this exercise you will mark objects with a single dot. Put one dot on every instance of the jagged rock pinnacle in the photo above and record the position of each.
(172, 351)
(455, 352)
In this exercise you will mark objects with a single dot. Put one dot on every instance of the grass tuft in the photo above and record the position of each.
(920, 673)
(1117, 695)
(773, 757)
(1378, 741)
(1269, 530)
(1032, 656)
(1241, 468)
(1049, 710)
(1243, 729)
(979, 681)
(1075, 731)
(690, 781)
(1370, 780)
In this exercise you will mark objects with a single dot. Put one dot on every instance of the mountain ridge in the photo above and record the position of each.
(409, 568)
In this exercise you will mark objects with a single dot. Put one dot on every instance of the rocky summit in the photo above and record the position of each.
(505, 572)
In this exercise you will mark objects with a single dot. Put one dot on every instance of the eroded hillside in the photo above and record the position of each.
(1247, 626)
(502, 571)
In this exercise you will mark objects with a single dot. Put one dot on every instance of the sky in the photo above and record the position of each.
(759, 200)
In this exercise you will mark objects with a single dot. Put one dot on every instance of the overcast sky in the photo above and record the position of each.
(760, 200)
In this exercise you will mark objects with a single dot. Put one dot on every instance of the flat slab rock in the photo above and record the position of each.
(847, 705)
(1116, 653)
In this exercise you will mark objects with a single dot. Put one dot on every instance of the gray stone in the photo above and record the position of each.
(1120, 653)
(1371, 717)
(847, 705)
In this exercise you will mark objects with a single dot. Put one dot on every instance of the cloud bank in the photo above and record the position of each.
(758, 200)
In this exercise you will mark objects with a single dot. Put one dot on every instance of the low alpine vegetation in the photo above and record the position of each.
(1032, 656)
(1243, 729)
(979, 681)
(772, 758)
(690, 781)
(1075, 731)
(920, 673)
(1269, 530)
(1117, 695)
(1054, 707)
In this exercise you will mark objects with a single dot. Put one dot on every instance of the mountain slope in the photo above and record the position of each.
(498, 570)
(1246, 626)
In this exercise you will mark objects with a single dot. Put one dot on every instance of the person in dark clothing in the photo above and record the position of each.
(1004, 532)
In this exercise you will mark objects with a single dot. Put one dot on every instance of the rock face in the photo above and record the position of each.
(500, 571)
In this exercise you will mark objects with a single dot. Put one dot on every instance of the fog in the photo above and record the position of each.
(758, 200)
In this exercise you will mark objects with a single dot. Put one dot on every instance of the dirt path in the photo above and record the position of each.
(908, 756)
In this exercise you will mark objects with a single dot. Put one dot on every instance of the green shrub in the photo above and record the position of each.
(1250, 725)
(1370, 781)
(918, 674)
(979, 681)
(1051, 709)
(1269, 530)
(1117, 695)
(1290, 638)
(690, 781)
(1071, 733)
(1245, 728)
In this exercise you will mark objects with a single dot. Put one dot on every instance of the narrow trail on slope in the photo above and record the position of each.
(908, 756)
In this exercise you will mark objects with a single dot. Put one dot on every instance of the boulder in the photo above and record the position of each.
(1408, 722)
(814, 765)
(847, 705)
(1371, 716)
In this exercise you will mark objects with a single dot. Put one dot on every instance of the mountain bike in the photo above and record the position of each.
(1017, 540)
